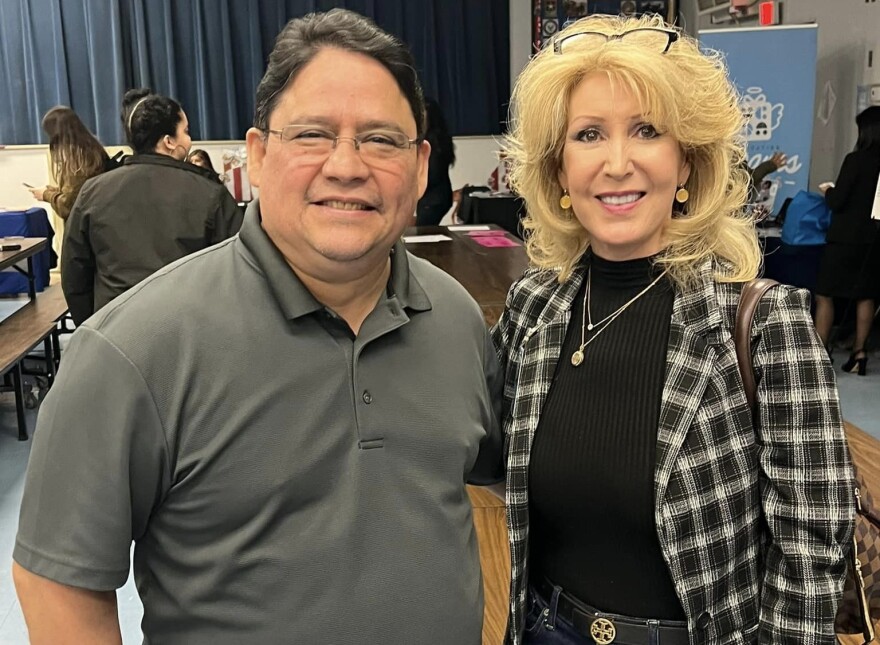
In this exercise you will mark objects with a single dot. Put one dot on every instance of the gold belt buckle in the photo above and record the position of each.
(603, 631)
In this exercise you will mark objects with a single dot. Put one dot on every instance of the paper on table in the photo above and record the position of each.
(426, 238)
(469, 227)
(495, 241)
(875, 209)
(491, 233)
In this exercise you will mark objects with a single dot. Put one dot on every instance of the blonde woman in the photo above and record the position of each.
(645, 505)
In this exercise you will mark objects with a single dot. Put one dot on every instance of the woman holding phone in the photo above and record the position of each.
(75, 156)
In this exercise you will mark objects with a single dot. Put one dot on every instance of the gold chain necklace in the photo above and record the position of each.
(587, 322)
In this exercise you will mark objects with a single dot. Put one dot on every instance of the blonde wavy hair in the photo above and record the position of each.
(683, 92)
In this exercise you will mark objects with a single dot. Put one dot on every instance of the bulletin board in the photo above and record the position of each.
(549, 16)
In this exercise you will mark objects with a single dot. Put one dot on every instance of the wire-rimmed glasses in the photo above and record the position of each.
(654, 38)
(317, 142)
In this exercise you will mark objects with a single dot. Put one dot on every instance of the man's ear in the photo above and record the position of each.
(424, 154)
(256, 151)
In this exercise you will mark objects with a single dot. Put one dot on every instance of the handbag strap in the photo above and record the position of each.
(751, 295)
(859, 579)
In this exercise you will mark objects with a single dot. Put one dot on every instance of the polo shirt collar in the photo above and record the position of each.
(291, 294)
(403, 283)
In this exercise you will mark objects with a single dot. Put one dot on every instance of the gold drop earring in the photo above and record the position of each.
(565, 200)
(682, 195)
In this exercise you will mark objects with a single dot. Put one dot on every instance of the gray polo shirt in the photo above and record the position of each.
(283, 480)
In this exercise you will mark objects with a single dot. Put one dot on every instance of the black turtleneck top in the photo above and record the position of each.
(591, 473)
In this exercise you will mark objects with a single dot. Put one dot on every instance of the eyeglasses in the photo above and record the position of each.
(659, 40)
(314, 142)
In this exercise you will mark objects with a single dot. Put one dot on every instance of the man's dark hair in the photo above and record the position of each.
(147, 117)
(302, 38)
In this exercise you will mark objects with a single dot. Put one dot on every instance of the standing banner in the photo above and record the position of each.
(774, 69)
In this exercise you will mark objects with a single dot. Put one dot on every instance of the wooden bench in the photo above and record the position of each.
(35, 323)
(490, 522)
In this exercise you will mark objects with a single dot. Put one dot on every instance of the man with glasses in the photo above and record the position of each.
(284, 423)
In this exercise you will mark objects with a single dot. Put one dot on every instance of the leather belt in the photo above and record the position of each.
(605, 628)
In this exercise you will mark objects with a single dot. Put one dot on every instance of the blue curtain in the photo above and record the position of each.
(56, 52)
(91, 43)
(211, 54)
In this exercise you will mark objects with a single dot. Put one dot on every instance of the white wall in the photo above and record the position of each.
(475, 157)
(847, 29)
(687, 10)
(21, 164)
(520, 36)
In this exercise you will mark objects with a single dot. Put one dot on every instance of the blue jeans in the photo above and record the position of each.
(544, 627)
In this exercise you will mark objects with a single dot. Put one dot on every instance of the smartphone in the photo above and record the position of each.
(10, 247)
(26, 185)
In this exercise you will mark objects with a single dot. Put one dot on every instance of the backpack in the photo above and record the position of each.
(114, 162)
(806, 220)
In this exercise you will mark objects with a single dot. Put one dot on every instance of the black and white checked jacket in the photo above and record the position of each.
(753, 521)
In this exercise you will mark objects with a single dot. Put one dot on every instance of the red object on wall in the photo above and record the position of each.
(768, 13)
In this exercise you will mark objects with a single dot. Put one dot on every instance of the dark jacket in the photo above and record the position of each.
(133, 221)
(753, 519)
(852, 197)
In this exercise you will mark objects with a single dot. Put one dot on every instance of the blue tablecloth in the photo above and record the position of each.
(33, 222)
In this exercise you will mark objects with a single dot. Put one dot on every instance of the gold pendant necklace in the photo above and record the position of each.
(587, 322)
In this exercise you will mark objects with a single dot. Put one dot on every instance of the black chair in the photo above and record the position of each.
(466, 207)
(783, 211)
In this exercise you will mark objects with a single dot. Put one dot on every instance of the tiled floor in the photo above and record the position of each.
(860, 397)
(13, 462)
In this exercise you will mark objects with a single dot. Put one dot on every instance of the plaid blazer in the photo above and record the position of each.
(753, 518)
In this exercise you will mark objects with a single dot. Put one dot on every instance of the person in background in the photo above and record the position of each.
(647, 501)
(153, 210)
(75, 156)
(200, 158)
(284, 423)
(761, 198)
(850, 266)
(437, 200)
(774, 163)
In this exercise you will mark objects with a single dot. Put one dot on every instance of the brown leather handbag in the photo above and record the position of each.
(856, 604)
(854, 615)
